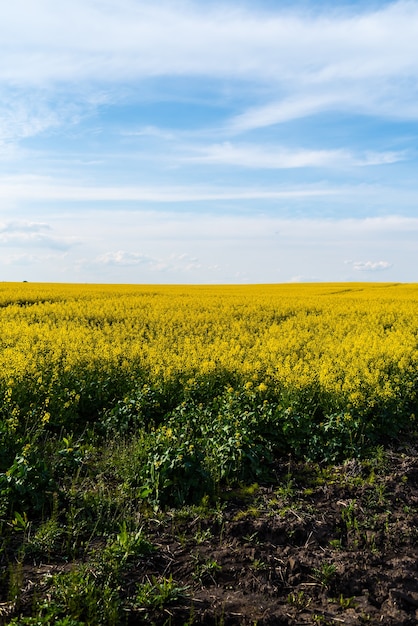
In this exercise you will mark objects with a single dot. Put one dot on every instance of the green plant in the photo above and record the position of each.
(20, 523)
(317, 618)
(325, 574)
(350, 524)
(83, 596)
(207, 571)
(173, 471)
(286, 491)
(127, 545)
(201, 536)
(44, 621)
(28, 481)
(258, 566)
(346, 602)
(299, 600)
(48, 539)
(158, 593)
(70, 455)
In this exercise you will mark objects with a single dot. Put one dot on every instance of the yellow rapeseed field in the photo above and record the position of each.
(355, 343)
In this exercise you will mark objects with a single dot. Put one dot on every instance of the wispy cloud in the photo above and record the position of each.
(148, 131)
(21, 120)
(104, 38)
(23, 226)
(32, 260)
(44, 188)
(121, 257)
(259, 157)
(171, 263)
(286, 109)
(370, 266)
(23, 234)
(389, 98)
(169, 228)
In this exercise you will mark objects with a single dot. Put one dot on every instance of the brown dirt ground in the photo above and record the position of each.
(343, 551)
(331, 546)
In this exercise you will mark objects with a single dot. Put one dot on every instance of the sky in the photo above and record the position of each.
(205, 141)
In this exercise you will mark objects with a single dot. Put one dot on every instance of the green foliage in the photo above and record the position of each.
(158, 593)
(126, 546)
(45, 621)
(83, 596)
(325, 574)
(207, 571)
(200, 447)
(28, 481)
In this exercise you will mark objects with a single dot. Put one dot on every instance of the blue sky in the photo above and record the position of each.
(208, 142)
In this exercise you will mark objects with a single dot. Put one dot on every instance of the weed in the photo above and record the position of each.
(350, 524)
(201, 536)
(206, 572)
(287, 490)
(47, 540)
(252, 538)
(346, 603)
(299, 600)
(317, 618)
(252, 512)
(81, 595)
(127, 545)
(325, 574)
(158, 593)
(258, 566)
(45, 621)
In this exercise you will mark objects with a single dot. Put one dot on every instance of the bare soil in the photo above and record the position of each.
(336, 548)
(332, 545)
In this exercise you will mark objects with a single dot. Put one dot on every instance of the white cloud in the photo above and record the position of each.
(149, 131)
(29, 260)
(285, 109)
(393, 99)
(26, 234)
(370, 266)
(45, 188)
(102, 40)
(20, 119)
(122, 257)
(381, 158)
(178, 246)
(183, 263)
(253, 156)
(143, 229)
(23, 226)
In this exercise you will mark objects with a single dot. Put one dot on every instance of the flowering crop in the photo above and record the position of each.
(318, 367)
